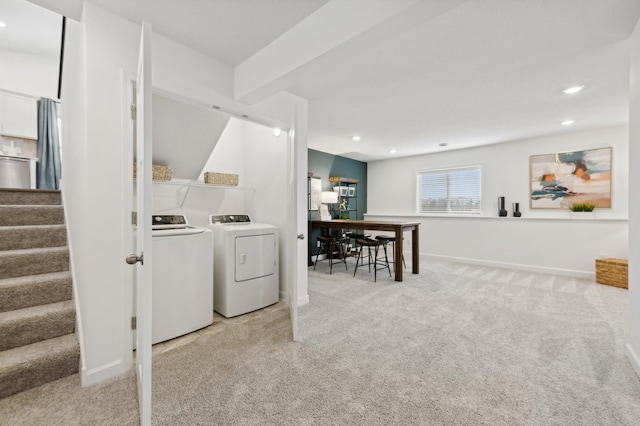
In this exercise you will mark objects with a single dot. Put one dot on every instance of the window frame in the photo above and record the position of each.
(443, 170)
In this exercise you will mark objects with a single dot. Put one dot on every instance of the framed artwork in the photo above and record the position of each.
(315, 189)
(558, 180)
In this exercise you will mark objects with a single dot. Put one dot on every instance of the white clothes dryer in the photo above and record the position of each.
(246, 276)
(182, 276)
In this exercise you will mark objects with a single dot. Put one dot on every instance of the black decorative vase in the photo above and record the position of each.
(502, 212)
(516, 210)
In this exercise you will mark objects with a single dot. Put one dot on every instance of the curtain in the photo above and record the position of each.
(48, 169)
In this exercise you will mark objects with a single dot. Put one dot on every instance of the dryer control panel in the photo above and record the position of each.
(220, 219)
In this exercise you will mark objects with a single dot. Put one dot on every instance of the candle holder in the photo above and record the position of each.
(502, 212)
(516, 209)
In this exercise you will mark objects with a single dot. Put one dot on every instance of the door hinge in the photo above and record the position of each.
(134, 218)
(134, 110)
(134, 323)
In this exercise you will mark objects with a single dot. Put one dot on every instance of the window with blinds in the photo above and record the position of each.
(457, 190)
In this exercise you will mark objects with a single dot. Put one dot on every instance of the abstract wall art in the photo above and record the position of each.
(558, 180)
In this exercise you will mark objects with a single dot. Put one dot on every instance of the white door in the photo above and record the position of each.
(295, 232)
(143, 209)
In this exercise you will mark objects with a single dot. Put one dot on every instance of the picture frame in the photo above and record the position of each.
(560, 179)
(315, 191)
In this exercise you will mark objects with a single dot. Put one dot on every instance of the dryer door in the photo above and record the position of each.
(255, 256)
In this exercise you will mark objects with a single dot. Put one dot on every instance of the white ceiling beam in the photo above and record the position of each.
(336, 30)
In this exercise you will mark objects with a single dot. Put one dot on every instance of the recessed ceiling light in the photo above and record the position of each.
(393, 151)
(356, 138)
(443, 144)
(567, 123)
(574, 89)
(2, 24)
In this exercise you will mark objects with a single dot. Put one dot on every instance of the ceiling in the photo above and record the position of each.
(29, 28)
(410, 75)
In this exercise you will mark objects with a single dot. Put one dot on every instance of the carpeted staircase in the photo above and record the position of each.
(37, 315)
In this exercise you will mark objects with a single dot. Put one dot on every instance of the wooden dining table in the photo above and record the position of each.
(398, 228)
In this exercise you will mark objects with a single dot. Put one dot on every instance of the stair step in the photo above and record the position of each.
(30, 325)
(30, 196)
(18, 263)
(39, 363)
(34, 290)
(35, 236)
(19, 215)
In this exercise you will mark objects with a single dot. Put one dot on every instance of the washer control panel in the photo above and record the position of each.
(160, 221)
(219, 219)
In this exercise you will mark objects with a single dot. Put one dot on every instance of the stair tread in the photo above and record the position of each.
(36, 311)
(34, 250)
(33, 279)
(15, 227)
(32, 206)
(34, 351)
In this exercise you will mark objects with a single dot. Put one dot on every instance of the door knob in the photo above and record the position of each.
(301, 236)
(132, 259)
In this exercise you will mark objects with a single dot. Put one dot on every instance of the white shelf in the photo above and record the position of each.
(573, 218)
(195, 183)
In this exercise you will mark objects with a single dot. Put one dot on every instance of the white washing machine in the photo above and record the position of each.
(182, 296)
(246, 276)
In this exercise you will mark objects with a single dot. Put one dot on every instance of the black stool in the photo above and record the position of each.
(354, 237)
(327, 243)
(392, 240)
(369, 243)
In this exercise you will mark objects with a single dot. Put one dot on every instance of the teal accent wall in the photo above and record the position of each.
(324, 165)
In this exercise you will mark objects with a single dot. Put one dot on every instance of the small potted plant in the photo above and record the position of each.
(582, 207)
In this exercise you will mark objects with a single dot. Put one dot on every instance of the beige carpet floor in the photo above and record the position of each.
(457, 344)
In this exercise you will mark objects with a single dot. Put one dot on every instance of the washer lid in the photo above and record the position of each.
(187, 230)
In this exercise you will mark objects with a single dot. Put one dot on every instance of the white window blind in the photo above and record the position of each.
(456, 190)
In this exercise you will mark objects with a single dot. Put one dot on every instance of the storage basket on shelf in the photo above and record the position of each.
(160, 173)
(221, 178)
(612, 272)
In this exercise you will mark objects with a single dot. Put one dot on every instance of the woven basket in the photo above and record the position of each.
(612, 272)
(161, 173)
(221, 178)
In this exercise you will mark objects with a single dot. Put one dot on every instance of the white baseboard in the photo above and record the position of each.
(633, 357)
(102, 373)
(303, 300)
(530, 268)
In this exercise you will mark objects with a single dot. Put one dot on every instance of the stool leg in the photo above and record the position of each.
(375, 264)
(317, 254)
(357, 259)
(330, 254)
(386, 260)
(344, 255)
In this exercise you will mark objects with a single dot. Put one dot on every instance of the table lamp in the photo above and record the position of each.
(328, 197)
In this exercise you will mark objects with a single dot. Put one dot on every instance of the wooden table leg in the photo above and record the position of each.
(398, 254)
(415, 250)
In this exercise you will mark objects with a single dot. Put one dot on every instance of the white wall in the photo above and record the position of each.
(259, 158)
(633, 348)
(95, 173)
(543, 240)
(97, 166)
(35, 75)
(295, 110)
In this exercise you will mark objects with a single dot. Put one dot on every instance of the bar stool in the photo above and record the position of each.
(369, 243)
(327, 242)
(392, 240)
(353, 237)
